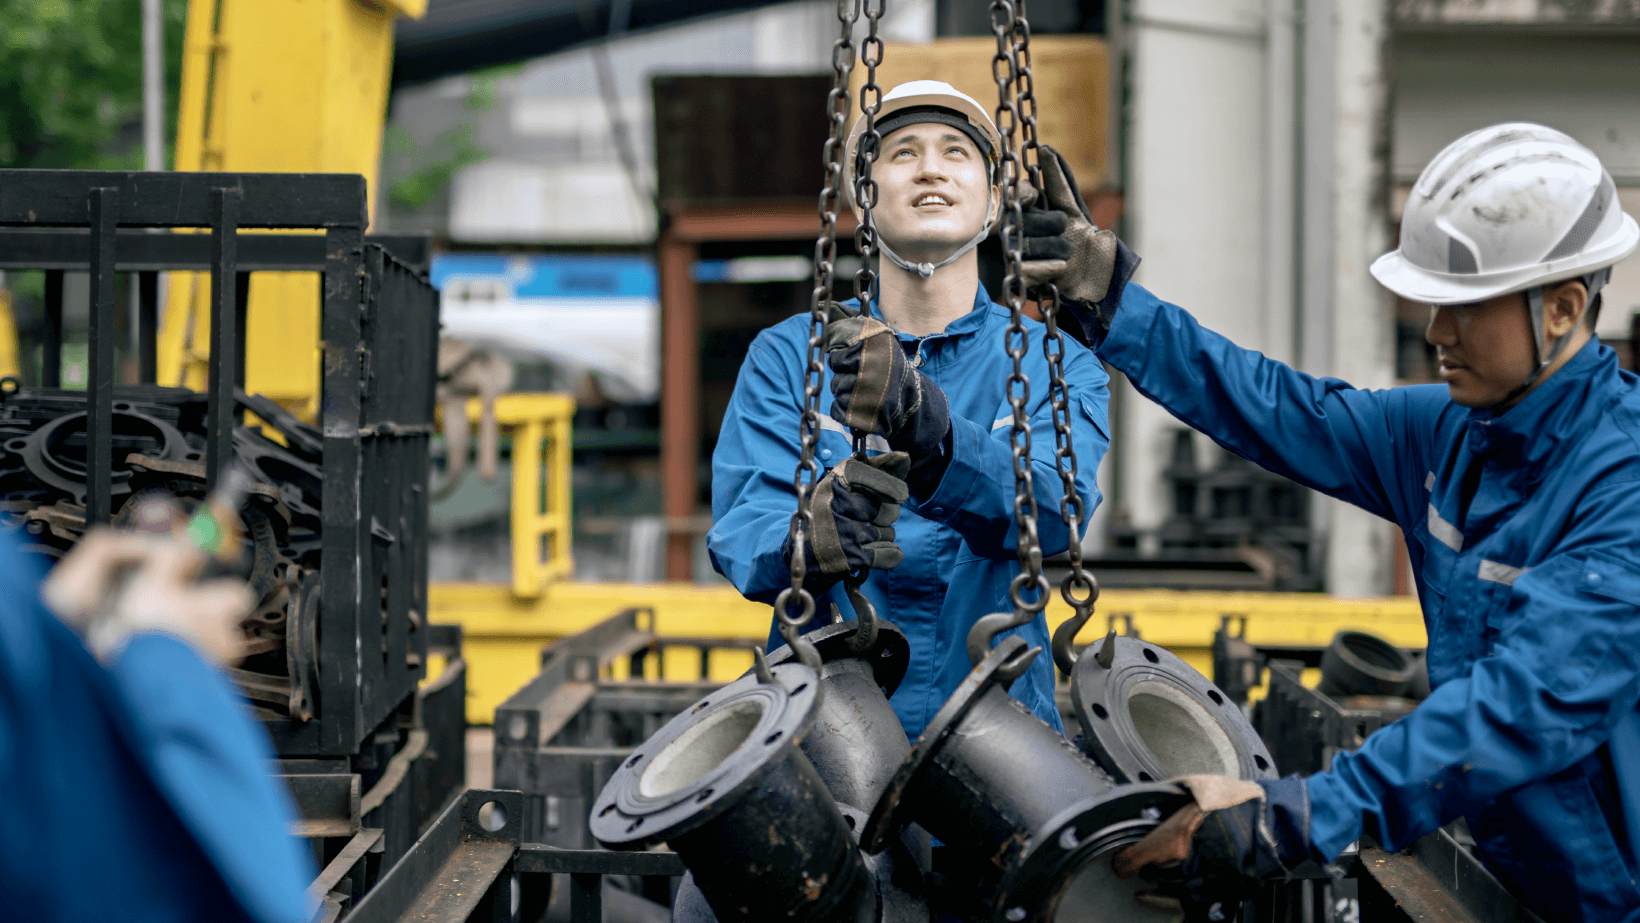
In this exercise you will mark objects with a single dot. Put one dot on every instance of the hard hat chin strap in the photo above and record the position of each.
(926, 270)
(1543, 352)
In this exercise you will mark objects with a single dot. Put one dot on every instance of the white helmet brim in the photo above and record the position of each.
(1415, 283)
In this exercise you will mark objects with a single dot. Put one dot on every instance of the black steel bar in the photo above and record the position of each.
(99, 423)
(148, 327)
(51, 341)
(241, 310)
(56, 198)
(340, 615)
(537, 858)
(586, 898)
(224, 373)
(140, 251)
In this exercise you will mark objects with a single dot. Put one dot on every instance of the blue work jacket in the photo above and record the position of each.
(1524, 534)
(959, 542)
(140, 791)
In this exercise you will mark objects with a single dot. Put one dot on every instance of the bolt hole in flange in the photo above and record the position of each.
(492, 816)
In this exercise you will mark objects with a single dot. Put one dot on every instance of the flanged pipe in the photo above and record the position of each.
(1356, 663)
(896, 870)
(725, 785)
(858, 741)
(1146, 715)
(966, 780)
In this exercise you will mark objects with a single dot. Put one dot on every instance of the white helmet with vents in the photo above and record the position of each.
(1510, 208)
(1502, 210)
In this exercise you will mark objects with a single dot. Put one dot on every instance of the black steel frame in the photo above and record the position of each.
(379, 326)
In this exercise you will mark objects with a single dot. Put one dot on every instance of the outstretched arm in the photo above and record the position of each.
(1368, 448)
(1564, 672)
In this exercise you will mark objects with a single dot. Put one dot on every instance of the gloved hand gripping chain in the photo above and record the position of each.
(1016, 111)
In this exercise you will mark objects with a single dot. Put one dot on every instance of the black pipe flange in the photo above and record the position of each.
(726, 787)
(1065, 873)
(858, 742)
(985, 775)
(1146, 716)
(1356, 663)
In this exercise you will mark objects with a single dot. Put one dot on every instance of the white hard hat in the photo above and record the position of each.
(917, 102)
(928, 97)
(1506, 209)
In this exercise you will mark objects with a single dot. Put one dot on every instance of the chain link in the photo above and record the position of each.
(838, 107)
(1079, 588)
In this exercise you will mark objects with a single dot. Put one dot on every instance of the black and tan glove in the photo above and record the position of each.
(853, 511)
(1212, 854)
(875, 390)
(1062, 246)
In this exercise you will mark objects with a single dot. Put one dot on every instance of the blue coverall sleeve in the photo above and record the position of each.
(210, 758)
(976, 495)
(752, 468)
(1564, 670)
(1359, 446)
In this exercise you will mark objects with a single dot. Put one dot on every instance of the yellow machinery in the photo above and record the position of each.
(281, 86)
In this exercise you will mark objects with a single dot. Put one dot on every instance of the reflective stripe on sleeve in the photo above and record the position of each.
(1445, 532)
(874, 442)
(1501, 573)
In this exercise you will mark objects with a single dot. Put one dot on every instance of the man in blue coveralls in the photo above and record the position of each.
(134, 783)
(943, 403)
(1517, 485)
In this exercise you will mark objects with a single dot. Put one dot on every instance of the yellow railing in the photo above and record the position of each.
(541, 508)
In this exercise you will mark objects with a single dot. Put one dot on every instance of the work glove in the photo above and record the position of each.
(875, 390)
(1213, 854)
(116, 584)
(853, 510)
(1062, 246)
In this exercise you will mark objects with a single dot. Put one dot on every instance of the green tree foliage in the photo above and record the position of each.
(71, 82)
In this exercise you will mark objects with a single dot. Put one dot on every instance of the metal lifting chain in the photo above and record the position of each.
(1016, 110)
(825, 264)
(1079, 589)
(865, 279)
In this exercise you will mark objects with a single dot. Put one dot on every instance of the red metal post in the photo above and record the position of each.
(680, 397)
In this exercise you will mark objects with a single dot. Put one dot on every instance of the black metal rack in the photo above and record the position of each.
(379, 326)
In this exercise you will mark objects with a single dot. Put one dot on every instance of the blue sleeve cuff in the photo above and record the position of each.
(963, 473)
(1335, 817)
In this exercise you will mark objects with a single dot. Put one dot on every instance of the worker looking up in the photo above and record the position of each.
(944, 404)
(1517, 486)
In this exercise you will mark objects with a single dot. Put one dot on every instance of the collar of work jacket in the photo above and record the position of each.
(1528, 436)
(948, 345)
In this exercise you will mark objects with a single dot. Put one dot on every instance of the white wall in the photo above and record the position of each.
(1195, 195)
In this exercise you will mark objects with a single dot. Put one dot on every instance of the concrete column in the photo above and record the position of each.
(1360, 546)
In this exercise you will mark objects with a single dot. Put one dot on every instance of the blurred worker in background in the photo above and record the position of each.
(1517, 486)
(939, 372)
(135, 782)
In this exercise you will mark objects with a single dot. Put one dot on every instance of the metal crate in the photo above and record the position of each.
(358, 654)
(560, 737)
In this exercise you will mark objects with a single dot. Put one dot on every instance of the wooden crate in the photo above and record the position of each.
(1072, 81)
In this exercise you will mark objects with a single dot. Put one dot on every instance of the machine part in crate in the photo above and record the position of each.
(725, 785)
(302, 646)
(985, 774)
(1065, 873)
(1146, 715)
(858, 742)
(42, 450)
(901, 892)
(1356, 663)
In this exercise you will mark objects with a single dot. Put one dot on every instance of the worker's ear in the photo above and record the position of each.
(1563, 306)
